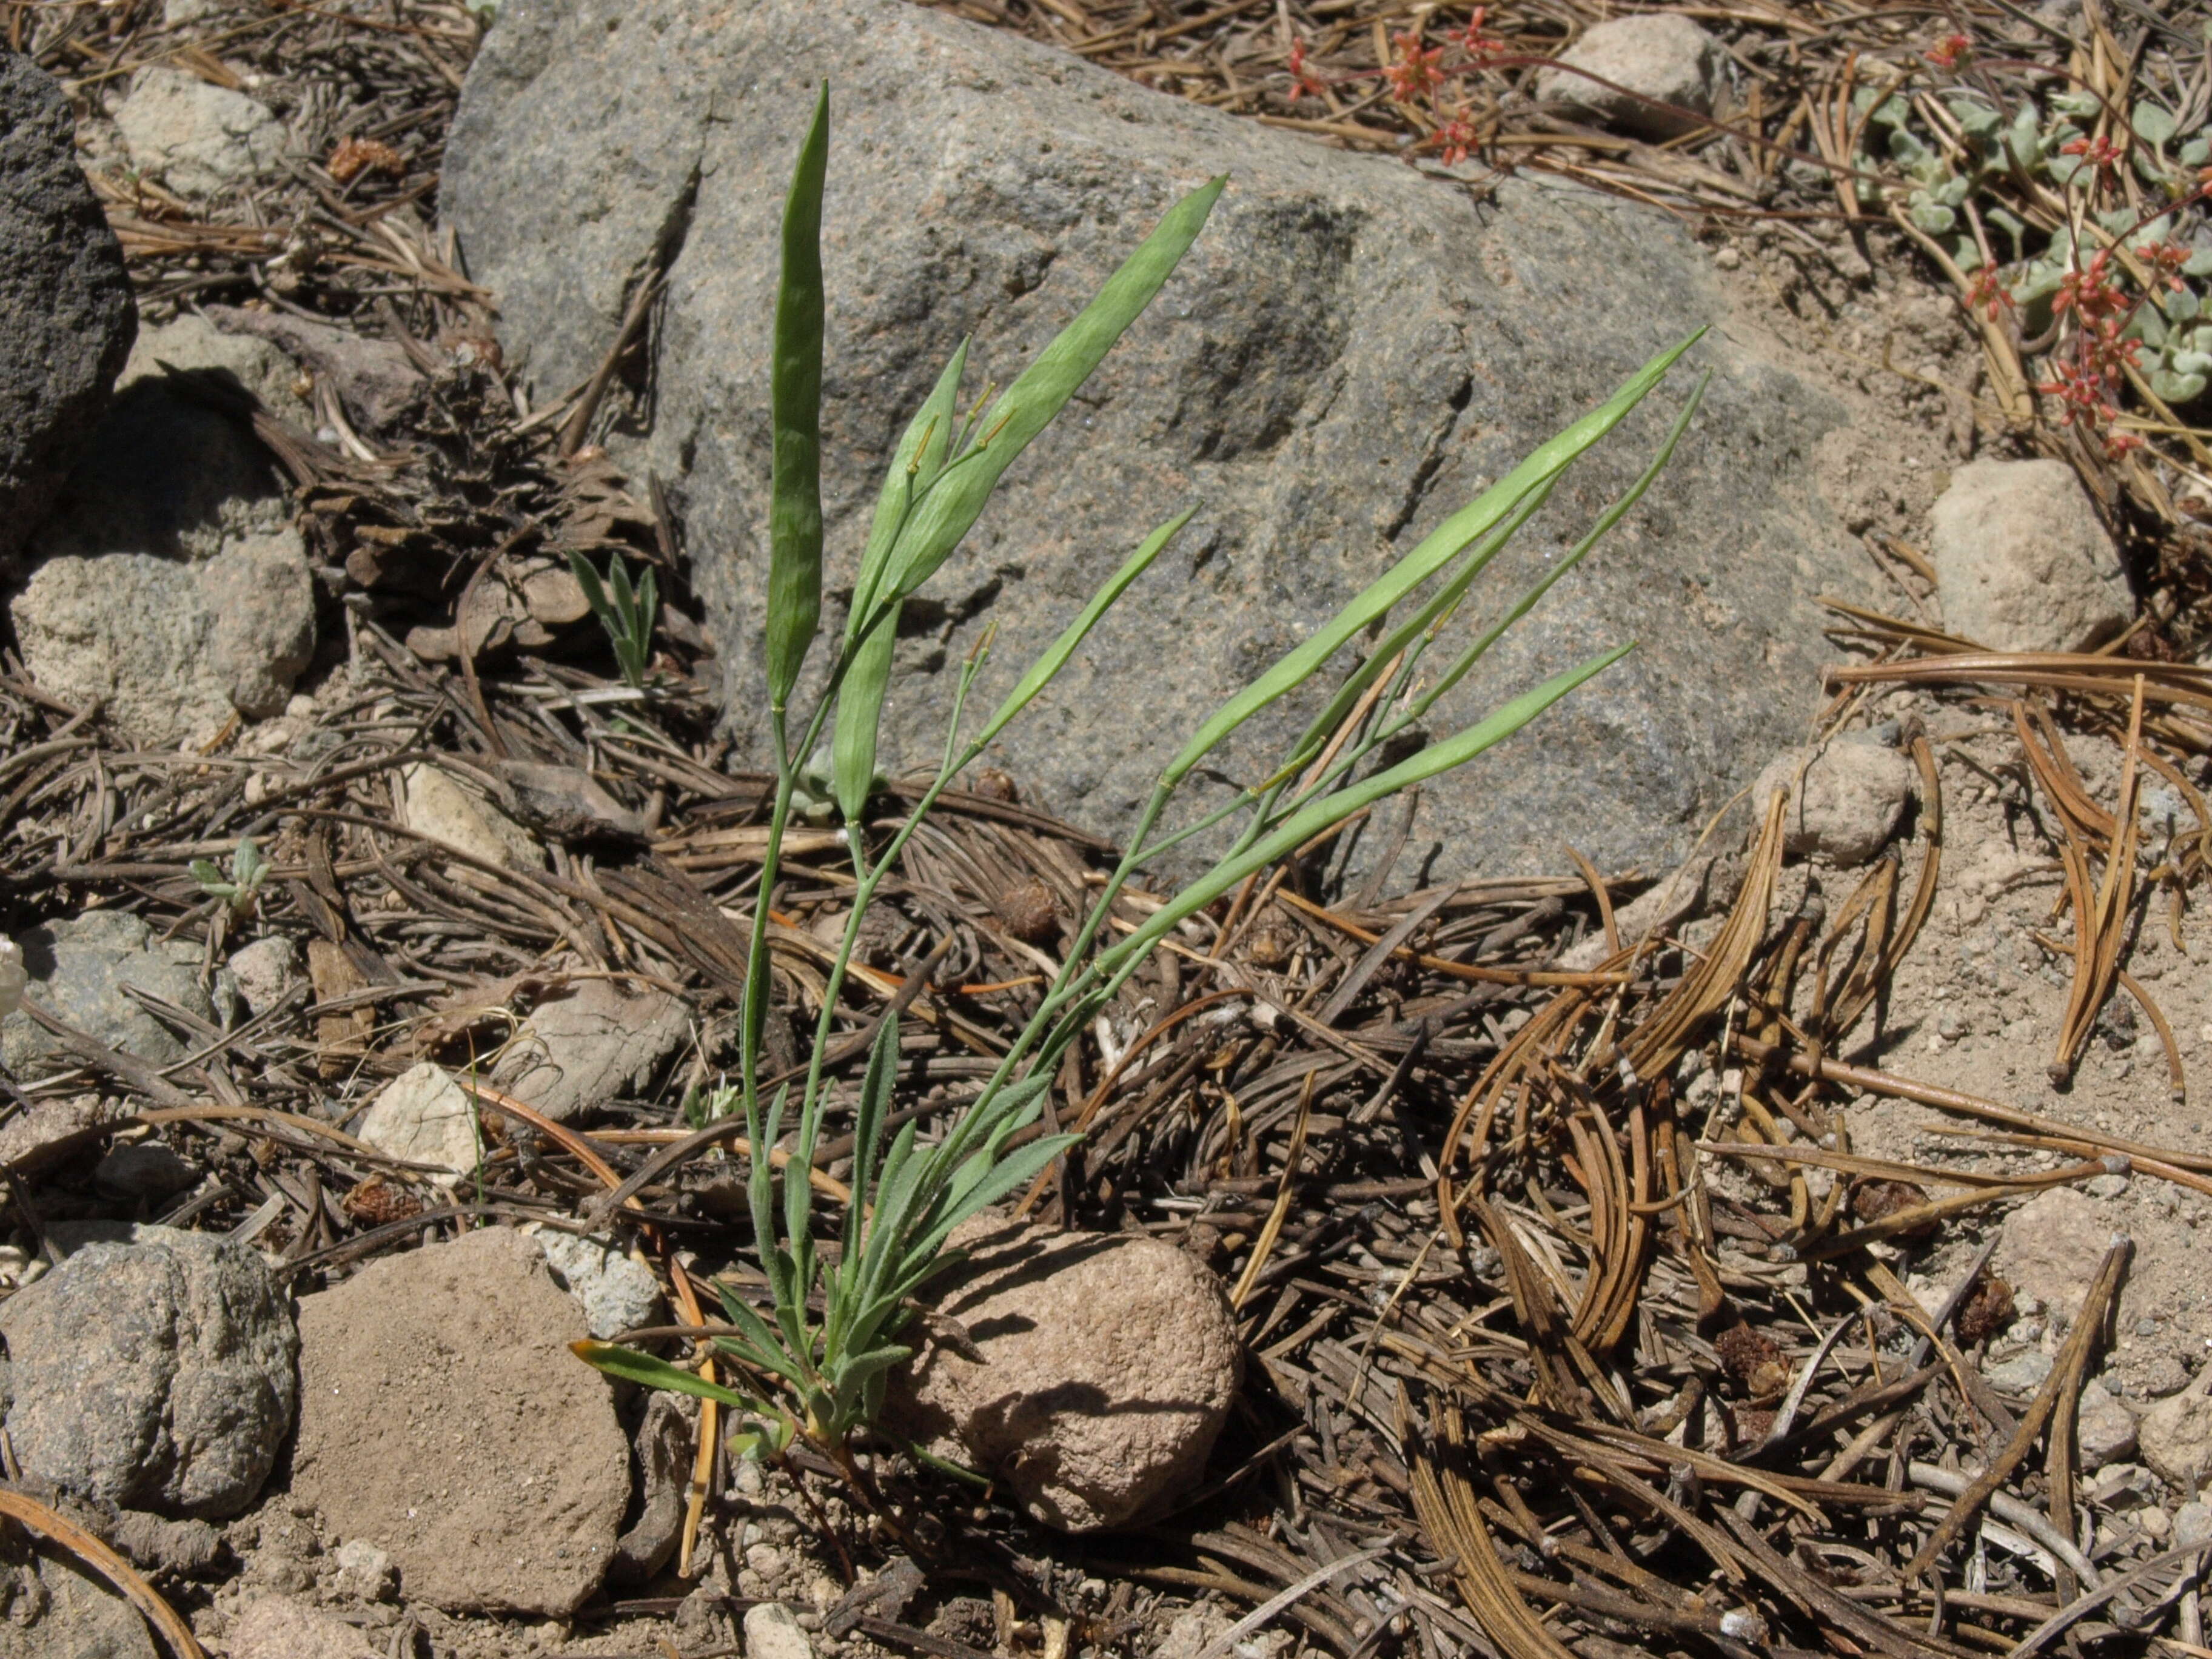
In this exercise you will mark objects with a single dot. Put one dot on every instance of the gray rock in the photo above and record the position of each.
(1658, 58)
(1351, 352)
(2175, 1436)
(260, 601)
(264, 970)
(365, 1573)
(2022, 563)
(576, 1053)
(56, 1608)
(155, 1374)
(2105, 1430)
(2051, 1246)
(280, 1627)
(192, 1549)
(2022, 1374)
(375, 380)
(64, 291)
(772, 1631)
(44, 1133)
(200, 139)
(2192, 1524)
(1848, 802)
(615, 1292)
(78, 969)
(661, 1451)
(174, 650)
(1108, 1365)
(209, 344)
(174, 468)
(425, 1117)
(430, 803)
(146, 1173)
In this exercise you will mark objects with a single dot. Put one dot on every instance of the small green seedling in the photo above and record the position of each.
(241, 889)
(700, 1107)
(625, 612)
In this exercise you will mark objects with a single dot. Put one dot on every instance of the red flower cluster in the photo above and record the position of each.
(1987, 294)
(1456, 138)
(1302, 76)
(2082, 393)
(1414, 73)
(2090, 293)
(2100, 152)
(1949, 50)
(1478, 46)
(2166, 260)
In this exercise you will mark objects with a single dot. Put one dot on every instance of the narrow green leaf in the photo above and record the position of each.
(856, 1370)
(644, 1369)
(1018, 1169)
(919, 459)
(760, 1192)
(1406, 634)
(1437, 549)
(595, 592)
(1046, 668)
(867, 1129)
(794, 569)
(1030, 403)
(758, 1344)
(648, 606)
(1521, 607)
(1334, 809)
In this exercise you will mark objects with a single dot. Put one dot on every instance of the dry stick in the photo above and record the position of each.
(1445, 965)
(2065, 1377)
(2067, 1617)
(1868, 1080)
(108, 1565)
(2014, 1513)
(570, 438)
(1265, 1245)
(2098, 924)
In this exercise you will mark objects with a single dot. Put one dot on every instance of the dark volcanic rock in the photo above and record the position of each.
(63, 290)
(1351, 352)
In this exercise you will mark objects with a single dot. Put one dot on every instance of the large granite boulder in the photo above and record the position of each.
(63, 291)
(1351, 352)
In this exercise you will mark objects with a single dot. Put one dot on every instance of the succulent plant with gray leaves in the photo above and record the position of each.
(2023, 200)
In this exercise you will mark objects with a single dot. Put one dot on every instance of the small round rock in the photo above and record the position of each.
(1108, 1365)
(1848, 804)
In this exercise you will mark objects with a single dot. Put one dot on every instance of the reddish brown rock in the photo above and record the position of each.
(443, 1421)
(1108, 1365)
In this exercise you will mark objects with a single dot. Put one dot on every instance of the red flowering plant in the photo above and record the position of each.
(1418, 76)
(2073, 226)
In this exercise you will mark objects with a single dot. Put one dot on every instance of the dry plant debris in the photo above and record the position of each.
(1549, 1357)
